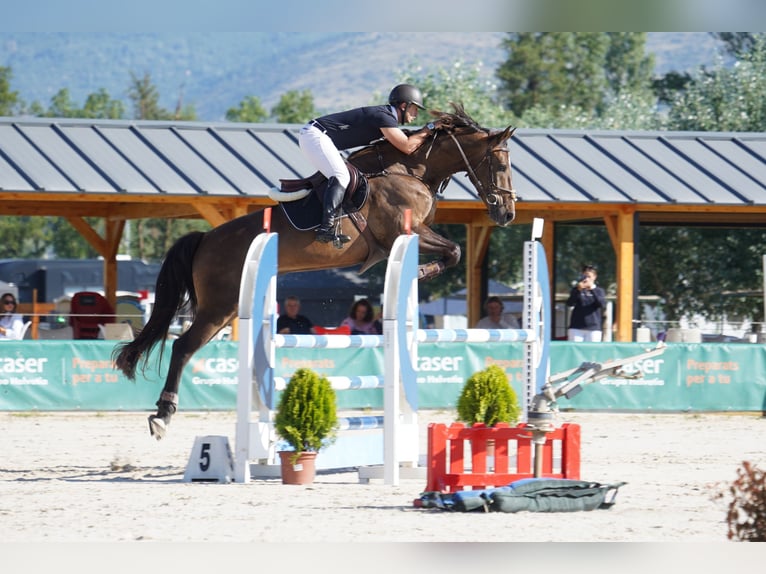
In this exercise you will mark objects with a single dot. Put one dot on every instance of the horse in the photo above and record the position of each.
(202, 270)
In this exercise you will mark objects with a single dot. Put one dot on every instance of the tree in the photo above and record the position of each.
(249, 110)
(736, 43)
(629, 110)
(666, 87)
(23, 237)
(556, 70)
(294, 107)
(149, 239)
(504, 257)
(100, 105)
(627, 66)
(9, 100)
(145, 97)
(725, 98)
(62, 105)
(462, 83)
(66, 241)
(693, 272)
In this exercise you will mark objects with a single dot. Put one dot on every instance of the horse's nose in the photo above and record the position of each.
(508, 216)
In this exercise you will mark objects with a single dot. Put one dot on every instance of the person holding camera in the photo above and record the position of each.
(587, 301)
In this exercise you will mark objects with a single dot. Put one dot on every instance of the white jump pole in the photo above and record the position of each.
(400, 323)
(257, 298)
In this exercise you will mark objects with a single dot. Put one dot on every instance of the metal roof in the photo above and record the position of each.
(62, 156)
(640, 167)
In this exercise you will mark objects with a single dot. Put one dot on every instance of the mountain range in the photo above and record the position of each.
(216, 71)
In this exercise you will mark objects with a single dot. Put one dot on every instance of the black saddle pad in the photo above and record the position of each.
(305, 214)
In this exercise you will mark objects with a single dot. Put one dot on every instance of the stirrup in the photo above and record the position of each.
(340, 237)
(325, 235)
(332, 233)
(340, 240)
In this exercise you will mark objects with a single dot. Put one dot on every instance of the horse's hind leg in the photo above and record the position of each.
(199, 333)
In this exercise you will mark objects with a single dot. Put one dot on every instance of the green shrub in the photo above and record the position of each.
(487, 397)
(306, 415)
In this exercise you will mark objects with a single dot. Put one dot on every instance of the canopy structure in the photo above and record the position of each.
(121, 170)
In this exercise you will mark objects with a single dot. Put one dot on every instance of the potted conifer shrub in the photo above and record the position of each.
(306, 419)
(488, 398)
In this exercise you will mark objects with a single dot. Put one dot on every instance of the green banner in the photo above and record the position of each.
(686, 377)
(79, 375)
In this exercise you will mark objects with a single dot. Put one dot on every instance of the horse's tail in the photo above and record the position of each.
(174, 289)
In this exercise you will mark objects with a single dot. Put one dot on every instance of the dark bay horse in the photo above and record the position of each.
(203, 269)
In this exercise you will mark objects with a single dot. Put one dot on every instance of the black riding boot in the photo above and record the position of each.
(333, 197)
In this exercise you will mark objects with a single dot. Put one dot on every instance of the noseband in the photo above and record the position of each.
(492, 198)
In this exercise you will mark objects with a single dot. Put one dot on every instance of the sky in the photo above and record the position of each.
(392, 15)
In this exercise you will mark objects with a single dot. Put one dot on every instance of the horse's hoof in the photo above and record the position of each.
(157, 427)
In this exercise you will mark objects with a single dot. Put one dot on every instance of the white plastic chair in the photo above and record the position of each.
(61, 333)
(116, 331)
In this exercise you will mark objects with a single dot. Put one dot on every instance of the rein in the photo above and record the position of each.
(491, 195)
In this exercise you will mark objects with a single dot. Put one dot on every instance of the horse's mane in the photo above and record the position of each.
(452, 120)
(458, 119)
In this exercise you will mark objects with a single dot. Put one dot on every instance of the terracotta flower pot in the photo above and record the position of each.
(300, 471)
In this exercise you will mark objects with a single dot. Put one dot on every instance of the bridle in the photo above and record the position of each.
(492, 198)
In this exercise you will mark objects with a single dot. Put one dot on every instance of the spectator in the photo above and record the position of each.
(494, 319)
(11, 323)
(291, 321)
(360, 319)
(587, 301)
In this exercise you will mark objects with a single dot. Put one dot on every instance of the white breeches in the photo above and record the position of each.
(323, 154)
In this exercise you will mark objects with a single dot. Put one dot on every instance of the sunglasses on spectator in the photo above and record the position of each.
(8, 301)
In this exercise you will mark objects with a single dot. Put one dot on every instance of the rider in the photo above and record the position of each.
(323, 137)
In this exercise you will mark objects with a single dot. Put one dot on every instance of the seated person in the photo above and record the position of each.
(291, 321)
(11, 323)
(494, 319)
(361, 320)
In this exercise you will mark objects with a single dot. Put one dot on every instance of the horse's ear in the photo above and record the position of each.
(502, 136)
(508, 133)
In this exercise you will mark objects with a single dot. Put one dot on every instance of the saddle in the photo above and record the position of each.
(305, 212)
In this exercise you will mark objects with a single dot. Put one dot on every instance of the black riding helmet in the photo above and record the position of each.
(406, 93)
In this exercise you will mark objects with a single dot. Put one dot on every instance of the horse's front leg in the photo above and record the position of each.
(430, 242)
